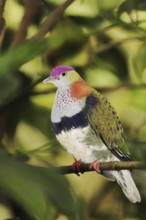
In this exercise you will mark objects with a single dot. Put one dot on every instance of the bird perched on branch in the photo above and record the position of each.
(88, 127)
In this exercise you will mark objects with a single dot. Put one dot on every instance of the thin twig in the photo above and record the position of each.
(115, 165)
(123, 85)
(103, 89)
(116, 43)
(52, 19)
(2, 21)
(30, 92)
(14, 218)
(31, 8)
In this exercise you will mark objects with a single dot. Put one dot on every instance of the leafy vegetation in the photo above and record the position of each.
(106, 42)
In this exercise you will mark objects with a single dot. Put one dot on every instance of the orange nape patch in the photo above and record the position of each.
(80, 89)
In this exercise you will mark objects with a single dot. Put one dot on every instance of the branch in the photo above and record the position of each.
(14, 218)
(111, 45)
(2, 21)
(103, 89)
(31, 8)
(115, 165)
(52, 19)
(30, 92)
(123, 85)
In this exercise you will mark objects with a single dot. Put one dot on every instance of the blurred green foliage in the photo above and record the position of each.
(106, 42)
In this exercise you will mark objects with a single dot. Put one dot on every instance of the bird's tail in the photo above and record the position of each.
(127, 184)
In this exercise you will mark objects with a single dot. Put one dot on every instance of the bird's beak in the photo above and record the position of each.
(47, 80)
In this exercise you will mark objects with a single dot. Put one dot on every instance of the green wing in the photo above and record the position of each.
(104, 121)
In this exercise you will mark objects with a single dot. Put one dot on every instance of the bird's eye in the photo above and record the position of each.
(63, 74)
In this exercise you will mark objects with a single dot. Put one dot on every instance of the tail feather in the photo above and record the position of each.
(127, 184)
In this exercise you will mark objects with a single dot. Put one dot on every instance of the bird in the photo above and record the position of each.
(87, 126)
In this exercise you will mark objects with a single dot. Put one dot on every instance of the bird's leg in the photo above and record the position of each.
(76, 166)
(95, 165)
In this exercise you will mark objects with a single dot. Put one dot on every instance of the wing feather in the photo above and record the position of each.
(104, 121)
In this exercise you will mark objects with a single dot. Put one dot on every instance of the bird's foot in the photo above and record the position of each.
(95, 166)
(76, 167)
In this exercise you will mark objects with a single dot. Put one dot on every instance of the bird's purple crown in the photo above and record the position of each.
(56, 71)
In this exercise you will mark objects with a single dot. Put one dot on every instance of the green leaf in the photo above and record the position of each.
(34, 188)
(15, 57)
(129, 5)
(11, 60)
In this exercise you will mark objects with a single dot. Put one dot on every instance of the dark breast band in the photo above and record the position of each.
(67, 123)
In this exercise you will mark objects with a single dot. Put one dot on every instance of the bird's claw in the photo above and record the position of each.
(95, 166)
(76, 167)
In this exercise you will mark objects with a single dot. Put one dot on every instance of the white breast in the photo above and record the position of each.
(83, 147)
(65, 105)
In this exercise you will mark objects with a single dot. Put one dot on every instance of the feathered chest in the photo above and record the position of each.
(65, 105)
